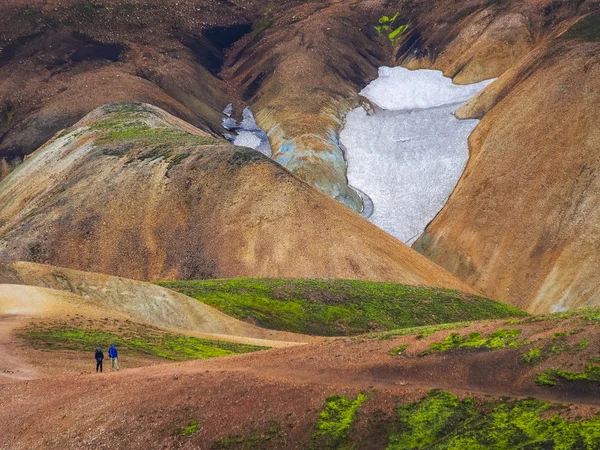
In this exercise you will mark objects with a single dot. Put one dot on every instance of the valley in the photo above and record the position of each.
(305, 224)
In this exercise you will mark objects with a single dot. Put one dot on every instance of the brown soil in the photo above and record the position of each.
(222, 211)
(147, 407)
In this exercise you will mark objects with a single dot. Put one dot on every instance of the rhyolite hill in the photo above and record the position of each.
(521, 224)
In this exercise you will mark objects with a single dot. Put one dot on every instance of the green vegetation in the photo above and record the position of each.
(335, 421)
(582, 345)
(339, 307)
(443, 421)
(256, 440)
(419, 332)
(539, 354)
(587, 316)
(587, 29)
(127, 127)
(551, 376)
(387, 25)
(533, 356)
(398, 350)
(190, 429)
(122, 127)
(141, 340)
(498, 339)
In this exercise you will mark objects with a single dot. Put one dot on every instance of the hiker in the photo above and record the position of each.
(114, 357)
(99, 358)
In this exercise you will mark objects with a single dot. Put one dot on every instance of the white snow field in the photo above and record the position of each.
(408, 156)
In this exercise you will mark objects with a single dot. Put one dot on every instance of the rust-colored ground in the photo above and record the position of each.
(63, 405)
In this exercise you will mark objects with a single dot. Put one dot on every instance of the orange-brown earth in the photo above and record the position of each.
(520, 227)
(148, 407)
(132, 191)
(144, 302)
(523, 222)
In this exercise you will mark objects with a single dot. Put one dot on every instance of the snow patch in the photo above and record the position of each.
(248, 133)
(398, 88)
(408, 157)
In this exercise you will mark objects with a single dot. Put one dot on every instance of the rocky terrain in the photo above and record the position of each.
(132, 191)
(253, 303)
(300, 65)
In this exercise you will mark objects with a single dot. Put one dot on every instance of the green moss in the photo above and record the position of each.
(551, 376)
(533, 356)
(333, 427)
(545, 379)
(443, 421)
(420, 332)
(398, 350)
(190, 429)
(587, 29)
(497, 340)
(125, 129)
(422, 423)
(388, 26)
(339, 307)
(149, 340)
(256, 440)
(539, 354)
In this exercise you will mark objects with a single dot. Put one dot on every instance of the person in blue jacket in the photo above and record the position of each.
(114, 357)
(99, 358)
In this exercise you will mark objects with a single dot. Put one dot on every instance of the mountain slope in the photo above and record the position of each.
(368, 391)
(141, 301)
(134, 192)
(523, 222)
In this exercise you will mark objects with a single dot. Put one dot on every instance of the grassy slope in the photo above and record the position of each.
(129, 338)
(339, 307)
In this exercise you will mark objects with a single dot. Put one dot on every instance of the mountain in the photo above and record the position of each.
(135, 192)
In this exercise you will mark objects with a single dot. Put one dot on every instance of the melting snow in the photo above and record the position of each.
(409, 156)
(248, 133)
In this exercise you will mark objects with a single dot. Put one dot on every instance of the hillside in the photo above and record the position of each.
(198, 182)
(376, 391)
(339, 307)
(134, 192)
(142, 302)
(517, 238)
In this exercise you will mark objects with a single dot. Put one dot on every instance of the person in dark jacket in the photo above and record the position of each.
(114, 357)
(99, 358)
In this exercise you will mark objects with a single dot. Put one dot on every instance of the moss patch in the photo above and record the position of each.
(497, 340)
(333, 427)
(129, 339)
(396, 351)
(390, 27)
(443, 421)
(419, 332)
(339, 307)
(551, 377)
(190, 429)
(544, 352)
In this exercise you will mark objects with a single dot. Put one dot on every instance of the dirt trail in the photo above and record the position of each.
(148, 303)
(20, 305)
